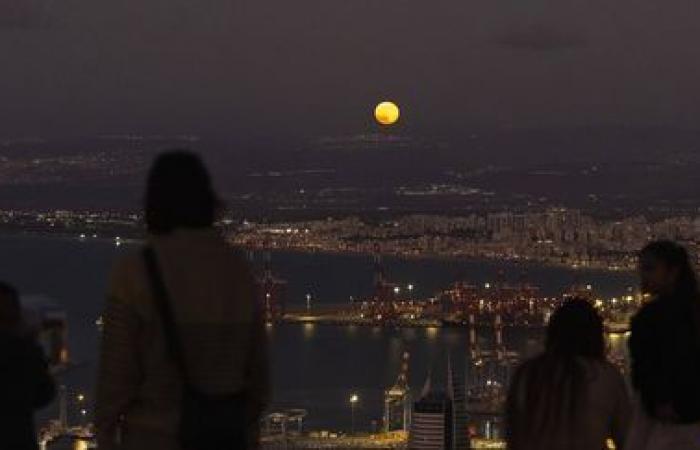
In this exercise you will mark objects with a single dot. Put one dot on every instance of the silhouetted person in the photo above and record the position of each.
(202, 376)
(665, 351)
(569, 397)
(25, 382)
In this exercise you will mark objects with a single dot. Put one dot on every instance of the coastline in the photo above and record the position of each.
(132, 238)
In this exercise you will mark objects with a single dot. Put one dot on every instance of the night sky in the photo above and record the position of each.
(306, 68)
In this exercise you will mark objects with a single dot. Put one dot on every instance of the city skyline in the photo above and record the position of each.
(377, 189)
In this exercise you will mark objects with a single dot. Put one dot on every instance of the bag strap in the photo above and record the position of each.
(162, 303)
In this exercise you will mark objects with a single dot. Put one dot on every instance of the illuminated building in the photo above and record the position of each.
(439, 417)
(430, 428)
(397, 401)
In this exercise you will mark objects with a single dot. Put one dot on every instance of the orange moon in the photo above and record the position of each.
(387, 113)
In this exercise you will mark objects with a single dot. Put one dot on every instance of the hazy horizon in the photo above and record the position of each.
(292, 71)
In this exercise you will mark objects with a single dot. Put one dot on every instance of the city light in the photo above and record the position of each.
(330, 189)
(354, 399)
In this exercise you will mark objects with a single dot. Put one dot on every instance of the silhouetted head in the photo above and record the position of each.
(576, 329)
(10, 309)
(179, 194)
(665, 270)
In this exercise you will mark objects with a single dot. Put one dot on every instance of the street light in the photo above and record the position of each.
(353, 401)
(308, 302)
(80, 399)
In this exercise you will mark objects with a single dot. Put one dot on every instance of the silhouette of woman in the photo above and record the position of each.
(183, 362)
(569, 397)
(665, 351)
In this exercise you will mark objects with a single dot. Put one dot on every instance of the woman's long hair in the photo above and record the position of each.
(10, 309)
(685, 295)
(547, 392)
(179, 194)
(675, 256)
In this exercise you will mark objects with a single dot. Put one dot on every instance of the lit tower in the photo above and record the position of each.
(397, 401)
(385, 293)
(271, 291)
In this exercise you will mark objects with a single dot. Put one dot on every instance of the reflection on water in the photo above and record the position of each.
(308, 330)
(431, 332)
(314, 366)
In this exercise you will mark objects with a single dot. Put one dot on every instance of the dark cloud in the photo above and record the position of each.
(24, 14)
(540, 37)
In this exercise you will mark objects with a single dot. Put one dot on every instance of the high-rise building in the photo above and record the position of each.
(439, 418)
(430, 426)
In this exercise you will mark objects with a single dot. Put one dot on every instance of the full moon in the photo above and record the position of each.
(386, 113)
